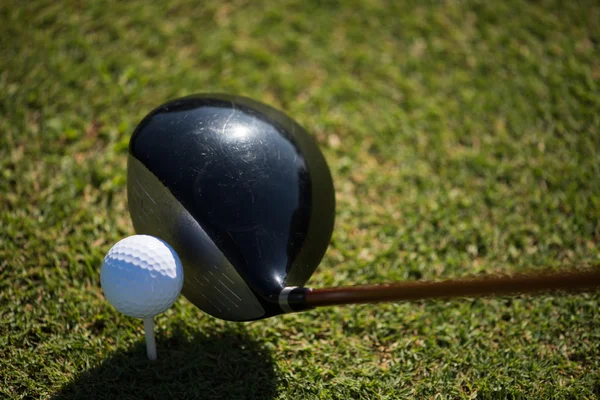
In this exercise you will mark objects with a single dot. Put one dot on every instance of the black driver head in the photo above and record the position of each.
(240, 191)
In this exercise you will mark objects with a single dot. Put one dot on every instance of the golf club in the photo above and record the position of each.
(244, 195)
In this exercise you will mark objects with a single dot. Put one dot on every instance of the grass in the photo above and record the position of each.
(463, 137)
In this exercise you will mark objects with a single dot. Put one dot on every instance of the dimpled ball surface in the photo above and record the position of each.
(141, 276)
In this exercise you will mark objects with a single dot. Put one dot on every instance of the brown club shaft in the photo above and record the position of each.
(475, 287)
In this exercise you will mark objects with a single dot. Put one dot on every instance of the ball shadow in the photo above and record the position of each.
(217, 365)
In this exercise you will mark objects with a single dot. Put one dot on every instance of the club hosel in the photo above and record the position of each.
(293, 299)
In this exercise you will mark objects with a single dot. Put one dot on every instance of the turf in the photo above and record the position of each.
(463, 137)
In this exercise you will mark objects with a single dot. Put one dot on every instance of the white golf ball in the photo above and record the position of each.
(141, 276)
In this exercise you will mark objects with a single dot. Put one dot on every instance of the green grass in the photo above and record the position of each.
(463, 137)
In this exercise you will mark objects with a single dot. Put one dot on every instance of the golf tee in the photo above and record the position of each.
(150, 341)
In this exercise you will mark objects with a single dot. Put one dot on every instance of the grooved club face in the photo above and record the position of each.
(240, 191)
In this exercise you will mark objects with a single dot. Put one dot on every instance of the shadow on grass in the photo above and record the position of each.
(223, 365)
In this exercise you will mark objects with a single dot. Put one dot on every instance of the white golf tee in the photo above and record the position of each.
(150, 341)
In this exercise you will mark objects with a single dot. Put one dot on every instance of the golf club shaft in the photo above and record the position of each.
(475, 287)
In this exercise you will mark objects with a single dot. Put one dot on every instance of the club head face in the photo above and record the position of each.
(240, 191)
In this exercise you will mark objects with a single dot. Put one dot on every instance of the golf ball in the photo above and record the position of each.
(141, 276)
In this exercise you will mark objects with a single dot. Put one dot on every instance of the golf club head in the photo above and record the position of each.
(240, 191)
